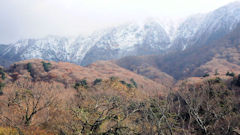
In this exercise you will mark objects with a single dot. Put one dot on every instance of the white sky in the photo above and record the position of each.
(37, 18)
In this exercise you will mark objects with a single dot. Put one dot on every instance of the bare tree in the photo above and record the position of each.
(100, 110)
(23, 101)
(209, 106)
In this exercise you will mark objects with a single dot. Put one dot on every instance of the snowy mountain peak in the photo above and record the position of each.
(145, 37)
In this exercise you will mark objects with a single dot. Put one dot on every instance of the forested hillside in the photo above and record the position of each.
(34, 100)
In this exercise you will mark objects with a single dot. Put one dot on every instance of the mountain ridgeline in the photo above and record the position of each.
(149, 37)
(220, 55)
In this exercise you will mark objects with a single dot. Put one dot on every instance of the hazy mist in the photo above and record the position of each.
(37, 18)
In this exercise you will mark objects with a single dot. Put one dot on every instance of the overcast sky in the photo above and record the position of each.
(37, 18)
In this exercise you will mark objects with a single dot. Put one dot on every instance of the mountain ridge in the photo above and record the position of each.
(151, 37)
(220, 56)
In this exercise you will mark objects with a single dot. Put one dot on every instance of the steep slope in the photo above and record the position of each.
(202, 29)
(226, 54)
(130, 39)
(186, 32)
(4, 62)
(135, 39)
(222, 55)
(51, 47)
(2, 47)
(225, 49)
(148, 37)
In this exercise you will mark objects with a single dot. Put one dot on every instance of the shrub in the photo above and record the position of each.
(97, 81)
(30, 69)
(2, 74)
(218, 80)
(15, 66)
(127, 84)
(133, 82)
(230, 74)
(238, 80)
(82, 83)
(206, 75)
(130, 86)
(46, 66)
(1, 87)
(123, 82)
(113, 78)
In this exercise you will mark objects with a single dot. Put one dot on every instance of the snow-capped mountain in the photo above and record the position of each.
(136, 38)
(129, 39)
(45, 48)
(202, 29)
(186, 31)
(143, 38)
